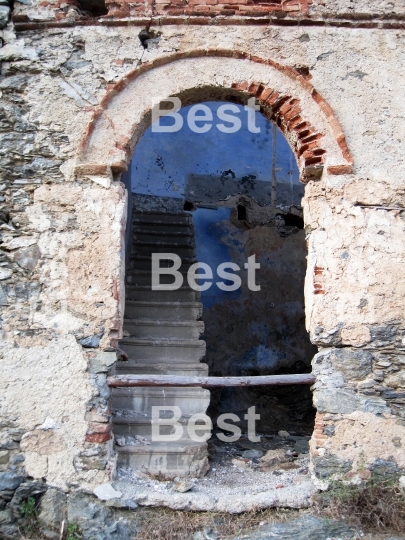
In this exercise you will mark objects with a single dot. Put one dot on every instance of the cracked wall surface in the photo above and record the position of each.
(61, 272)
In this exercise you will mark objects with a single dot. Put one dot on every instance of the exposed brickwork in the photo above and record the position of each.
(318, 436)
(120, 8)
(284, 110)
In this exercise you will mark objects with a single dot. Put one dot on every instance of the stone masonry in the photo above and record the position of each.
(76, 94)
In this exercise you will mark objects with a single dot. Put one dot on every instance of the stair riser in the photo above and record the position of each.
(167, 465)
(144, 405)
(181, 295)
(170, 313)
(126, 398)
(146, 265)
(127, 368)
(181, 251)
(162, 218)
(171, 229)
(166, 352)
(135, 278)
(182, 239)
(145, 430)
(163, 331)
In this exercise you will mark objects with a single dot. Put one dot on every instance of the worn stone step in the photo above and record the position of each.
(181, 349)
(161, 229)
(158, 218)
(150, 237)
(144, 277)
(161, 329)
(144, 262)
(145, 293)
(147, 248)
(131, 425)
(140, 399)
(174, 311)
(157, 366)
(168, 460)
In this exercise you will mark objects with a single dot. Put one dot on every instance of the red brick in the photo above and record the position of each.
(252, 88)
(340, 169)
(272, 99)
(265, 94)
(292, 113)
(98, 437)
(98, 427)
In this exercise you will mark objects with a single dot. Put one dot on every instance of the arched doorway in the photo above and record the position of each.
(219, 198)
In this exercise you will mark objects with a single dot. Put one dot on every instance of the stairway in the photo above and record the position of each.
(161, 331)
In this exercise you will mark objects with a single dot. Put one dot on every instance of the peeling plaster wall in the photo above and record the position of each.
(62, 238)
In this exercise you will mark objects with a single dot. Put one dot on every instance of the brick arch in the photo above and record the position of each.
(289, 100)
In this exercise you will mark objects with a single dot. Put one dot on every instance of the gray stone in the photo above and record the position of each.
(336, 401)
(90, 342)
(125, 504)
(326, 466)
(303, 528)
(102, 362)
(52, 509)
(4, 16)
(182, 486)
(3, 297)
(27, 257)
(24, 492)
(329, 430)
(16, 82)
(355, 365)
(252, 454)
(7, 495)
(383, 335)
(9, 480)
(4, 455)
(385, 469)
(95, 520)
(8, 529)
(339, 401)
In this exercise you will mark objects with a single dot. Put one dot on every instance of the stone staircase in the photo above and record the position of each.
(161, 331)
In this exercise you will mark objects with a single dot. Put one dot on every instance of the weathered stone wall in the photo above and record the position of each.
(61, 253)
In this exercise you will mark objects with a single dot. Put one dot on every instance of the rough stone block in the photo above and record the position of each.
(4, 16)
(52, 509)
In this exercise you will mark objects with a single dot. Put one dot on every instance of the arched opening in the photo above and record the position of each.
(216, 197)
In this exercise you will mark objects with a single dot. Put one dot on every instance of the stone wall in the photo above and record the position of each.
(74, 99)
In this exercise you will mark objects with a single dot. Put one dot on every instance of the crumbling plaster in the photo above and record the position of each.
(42, 393)
(52, 82)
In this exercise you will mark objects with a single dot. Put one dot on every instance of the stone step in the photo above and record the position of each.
(144, 293)
(159, 218)
(131, 425)
(160, 367)
(161, 329)
(153, 237)
(168, 460)
(180, 349)
(163, 228)
(144, 262)
(174, 311)
(144, 277)
(140, 399)
(147, 248)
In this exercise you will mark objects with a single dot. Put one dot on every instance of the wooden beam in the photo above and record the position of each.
(125, 381)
